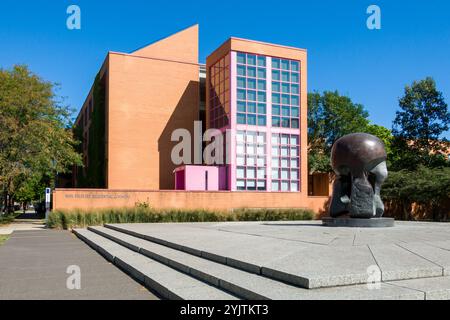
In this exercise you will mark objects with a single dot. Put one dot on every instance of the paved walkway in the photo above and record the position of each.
(33, 265)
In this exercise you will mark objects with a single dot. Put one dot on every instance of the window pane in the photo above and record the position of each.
(276, 75)
(294, 163)
(251, 107)
(251, 95)
(276, 86)
(284, 174)
(261, 97)
(276, 109)
(251, 137)
(261, 185)
(284, 151)
(262, 61)
(261, 173)
(250, 161)
(285, 76)
(240, 161)
(294, 186)
(285, 123)
(251, 83)
(294, 174)
(241, 82)
(251, 72)
(261, 108)
(240, 184)
(286, 111)
(241, 106)
(285, 139)
(275, 162)
(261, 73)
(241, 58)
(251, 59)
(285, 186)
(294, 140)
(261, 161)
(294, 152)
(261, 138)
(241, 118)
(295, 112)
(275, 186)
(241, 94)
(275, 151)
(285, 163)
(250, 173)
(240, 149)
(275, 174)
(251, 119)
(275, 121)
(261, 120)
(295, 101)
(275, 98)
(275, 63)
(285, 87)
(240, 172)
(295, 77)
(251, 149)
(295, 66)
(285, 64)
(295, 89)
(295, 123)
(275, 139)
(251, 185)
(261, 85)
(241, 70)
(285, 99)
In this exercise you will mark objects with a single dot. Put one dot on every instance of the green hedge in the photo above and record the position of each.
(68, 219)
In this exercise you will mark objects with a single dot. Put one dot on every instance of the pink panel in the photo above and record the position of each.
(202, 178)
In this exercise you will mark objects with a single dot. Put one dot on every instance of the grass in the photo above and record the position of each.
(3, 239)
(6, 219)
(68, 219)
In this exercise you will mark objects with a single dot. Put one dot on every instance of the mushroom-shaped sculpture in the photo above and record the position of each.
(359, 161)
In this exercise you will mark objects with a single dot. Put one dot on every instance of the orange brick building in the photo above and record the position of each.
(253, 90)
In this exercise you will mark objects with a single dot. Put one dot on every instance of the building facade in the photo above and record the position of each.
(257, 91)
(253, 94)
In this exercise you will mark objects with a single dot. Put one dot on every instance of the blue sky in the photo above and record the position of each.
(371, 66)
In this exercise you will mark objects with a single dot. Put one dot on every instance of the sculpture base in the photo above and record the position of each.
(358, 223)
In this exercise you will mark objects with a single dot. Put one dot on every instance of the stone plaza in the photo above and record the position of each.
(300, 260)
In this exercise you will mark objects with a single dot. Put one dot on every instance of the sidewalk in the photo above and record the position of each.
(34, 266)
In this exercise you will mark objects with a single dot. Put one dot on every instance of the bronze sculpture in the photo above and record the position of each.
(359, 161)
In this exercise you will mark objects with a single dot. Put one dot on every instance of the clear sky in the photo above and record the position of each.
(371, 66)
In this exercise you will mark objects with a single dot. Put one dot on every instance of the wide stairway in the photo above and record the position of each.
(178, 272)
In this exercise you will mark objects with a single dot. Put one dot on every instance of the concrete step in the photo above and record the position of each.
(158, 277)
(311, 264)
(245, 284)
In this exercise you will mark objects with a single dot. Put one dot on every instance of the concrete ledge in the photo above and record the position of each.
(358, 223)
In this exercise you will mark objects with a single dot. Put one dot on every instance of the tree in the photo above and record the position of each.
(427, 187)
(34, 138)
(331, 116)
(418, 126)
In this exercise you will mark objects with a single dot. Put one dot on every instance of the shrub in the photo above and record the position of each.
(67, 219)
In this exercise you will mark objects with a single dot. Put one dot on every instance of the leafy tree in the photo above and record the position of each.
(34, 138)
(428, 187)
(418, 126)
(331, 116)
